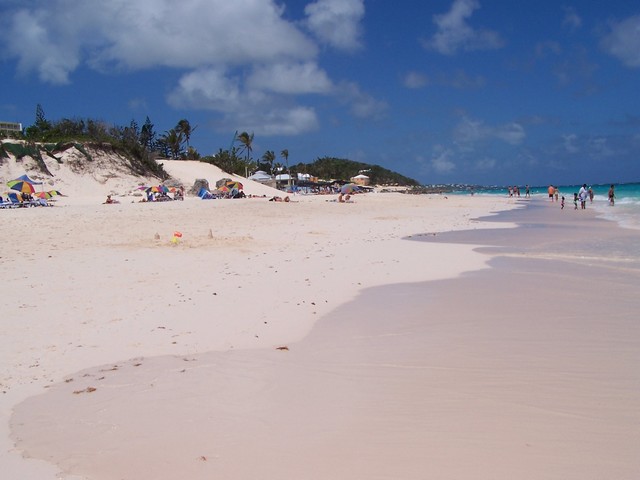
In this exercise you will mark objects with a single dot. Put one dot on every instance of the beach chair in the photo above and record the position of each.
(205, 194)
(6, 203)
(15, 201)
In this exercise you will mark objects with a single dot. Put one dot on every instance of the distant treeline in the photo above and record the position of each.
(143, 146)
(343, 169)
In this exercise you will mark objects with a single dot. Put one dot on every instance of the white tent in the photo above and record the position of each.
(260, 176)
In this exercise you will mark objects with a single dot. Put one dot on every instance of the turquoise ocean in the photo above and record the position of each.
(625, 212)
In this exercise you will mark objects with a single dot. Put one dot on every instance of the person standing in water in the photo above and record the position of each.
(612, 196)
(583, 194)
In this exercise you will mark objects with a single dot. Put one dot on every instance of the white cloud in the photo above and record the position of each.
(471, 131)
(441, 161)
(52, 53)
(290, 78)
(486, 164)
(53, 37)
(570, 143)
(209, 89)
(244, 108)
(511, 133)
(279, 121)
(234, 56)
(623, 41)
(362, 105)
(336, 22)
(454, 33)
(415, 80)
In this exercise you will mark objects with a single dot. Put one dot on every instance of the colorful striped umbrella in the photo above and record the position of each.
(231, 185)
(21, 186)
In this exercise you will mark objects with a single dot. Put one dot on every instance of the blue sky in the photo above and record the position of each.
(451, 91)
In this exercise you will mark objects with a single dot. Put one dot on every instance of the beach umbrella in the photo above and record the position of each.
(348, 188)
(231, 185)
(26, 178)
(21, 186)
(223, 189)
(223, 181)
(158, 189)
(45, 195)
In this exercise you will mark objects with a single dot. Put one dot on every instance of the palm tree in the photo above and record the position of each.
(285, 154)
(268, 158)
(184, 127)
(246, 140)
(173, 141)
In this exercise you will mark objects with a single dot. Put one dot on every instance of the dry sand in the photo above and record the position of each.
(128, 357)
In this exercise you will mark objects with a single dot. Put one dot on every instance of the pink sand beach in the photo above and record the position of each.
(396, 337)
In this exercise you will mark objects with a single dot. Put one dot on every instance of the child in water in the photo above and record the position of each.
(562, 203)
(575, 201)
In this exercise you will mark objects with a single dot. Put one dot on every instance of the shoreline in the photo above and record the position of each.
(482, 387)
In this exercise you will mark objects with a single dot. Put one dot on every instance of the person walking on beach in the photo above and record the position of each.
(527, 193)
(583, 194)
(575, 201)
(562, 203)
(551, 191)
(612, 196)
(590, 195)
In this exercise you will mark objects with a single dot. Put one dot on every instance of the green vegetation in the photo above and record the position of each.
(329, 168)
(142, 146)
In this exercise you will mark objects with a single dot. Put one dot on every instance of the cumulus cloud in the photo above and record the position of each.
(55, 36)
(361, 104)
(336, 22)
(458, 79)
(441, 161)
(210, 89)
(52, 53)
(234, 57)
(454, 33)
(297, 78)
(485, 164)
(249, 108)
(623, 41)
(472, 131)
(277, 121)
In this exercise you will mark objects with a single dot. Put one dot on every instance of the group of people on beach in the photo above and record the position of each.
(515, 191)
(580, 196)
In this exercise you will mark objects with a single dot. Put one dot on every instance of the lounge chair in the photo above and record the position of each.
(6, 203)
